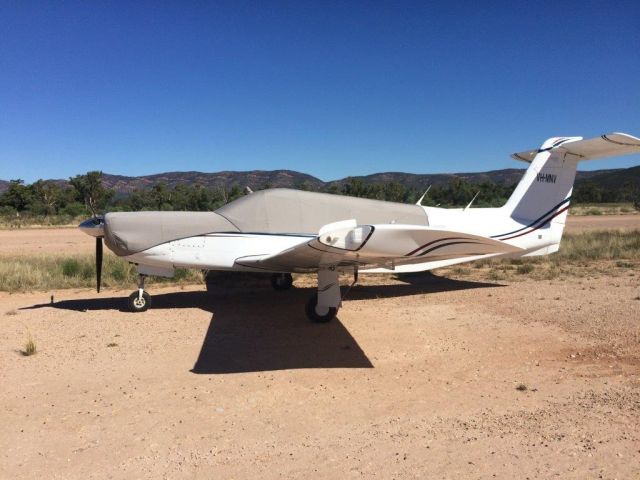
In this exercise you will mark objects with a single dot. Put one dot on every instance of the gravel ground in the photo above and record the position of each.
(434, 378)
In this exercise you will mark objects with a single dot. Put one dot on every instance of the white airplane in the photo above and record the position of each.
(286, 231)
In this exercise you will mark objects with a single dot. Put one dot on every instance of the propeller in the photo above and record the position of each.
(95, 227)
(98, 263)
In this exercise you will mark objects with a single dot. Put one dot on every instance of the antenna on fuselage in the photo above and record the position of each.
(474, 197)
(419, 202)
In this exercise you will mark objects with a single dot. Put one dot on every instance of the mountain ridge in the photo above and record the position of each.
(255, 179)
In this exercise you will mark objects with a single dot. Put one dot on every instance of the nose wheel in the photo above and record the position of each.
(139, 301)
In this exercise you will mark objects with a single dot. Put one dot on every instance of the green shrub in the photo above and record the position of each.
(524, 269)
(7, 211)
(70, 267)
(74, 209)
(120, 271)
(180, 274)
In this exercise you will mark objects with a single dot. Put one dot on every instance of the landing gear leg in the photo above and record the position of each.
(323, 306)
(139, 301)
(281, 281)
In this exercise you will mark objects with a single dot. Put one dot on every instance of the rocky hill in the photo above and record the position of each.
(292, 179)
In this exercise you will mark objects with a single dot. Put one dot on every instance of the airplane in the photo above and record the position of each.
(283, 231)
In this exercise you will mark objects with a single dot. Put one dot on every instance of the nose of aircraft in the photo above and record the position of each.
(94, 227)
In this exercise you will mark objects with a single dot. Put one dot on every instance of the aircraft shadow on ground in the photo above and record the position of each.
(257, 329)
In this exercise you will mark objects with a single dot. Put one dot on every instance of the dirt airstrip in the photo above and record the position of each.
(419, 377)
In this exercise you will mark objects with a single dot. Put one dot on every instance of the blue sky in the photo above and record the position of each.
(326, 88)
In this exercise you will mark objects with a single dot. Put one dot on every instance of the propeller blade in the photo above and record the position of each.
(98, 262)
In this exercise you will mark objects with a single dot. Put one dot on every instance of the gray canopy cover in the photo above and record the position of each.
(277, 211)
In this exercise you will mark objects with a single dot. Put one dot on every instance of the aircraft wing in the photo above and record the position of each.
(347, 244)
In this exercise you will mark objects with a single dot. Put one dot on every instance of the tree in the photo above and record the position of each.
(394, 192)
(46, 197)
(354, 188)
(636, 200)
(161, 196)
(303, 185)
(587, 192)
(90, 190)
(17, 196)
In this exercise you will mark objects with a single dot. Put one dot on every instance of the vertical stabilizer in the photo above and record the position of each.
(546, 186)
(542, 197)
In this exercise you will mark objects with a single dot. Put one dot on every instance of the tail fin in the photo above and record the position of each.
(545, 189)
(543, 195)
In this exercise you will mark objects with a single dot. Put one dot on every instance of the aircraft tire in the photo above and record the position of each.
(281, 281)
(314, 316)
(139, 306)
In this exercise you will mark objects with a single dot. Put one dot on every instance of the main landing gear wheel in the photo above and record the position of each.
(281, 281)
(319, 314)
(138, 303)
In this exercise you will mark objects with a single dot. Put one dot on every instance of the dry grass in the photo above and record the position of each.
(610, 252)
(22, 273)
(29, 346)
(600, 245)
(525, 269)
(39, 221)
(602, 209)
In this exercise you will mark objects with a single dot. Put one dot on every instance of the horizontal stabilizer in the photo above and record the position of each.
(609, 145)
